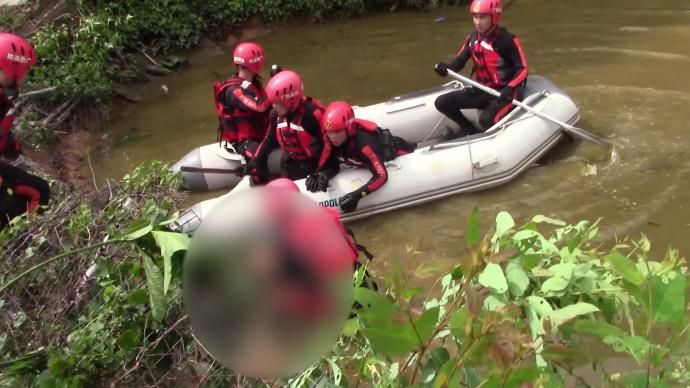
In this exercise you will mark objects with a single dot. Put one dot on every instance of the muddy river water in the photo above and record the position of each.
(625, 63)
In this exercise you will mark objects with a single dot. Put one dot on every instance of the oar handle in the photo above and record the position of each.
(476, 84)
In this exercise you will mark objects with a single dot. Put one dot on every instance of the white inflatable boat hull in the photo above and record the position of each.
(412, 116)
(462, 165)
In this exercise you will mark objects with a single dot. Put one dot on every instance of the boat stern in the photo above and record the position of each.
(191, 180)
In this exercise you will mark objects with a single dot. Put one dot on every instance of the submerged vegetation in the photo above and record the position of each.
(90, 295)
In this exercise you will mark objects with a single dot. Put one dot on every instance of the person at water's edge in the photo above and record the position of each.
(499, 63)
(241, 102)
(294, 127)
(19, 190)
(358, 143)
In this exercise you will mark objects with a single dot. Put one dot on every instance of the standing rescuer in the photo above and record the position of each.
(19, 190)
(355, 142)
(241, 101)
(499, 63)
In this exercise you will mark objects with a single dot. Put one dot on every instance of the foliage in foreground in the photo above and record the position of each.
(95, 310)
(528, 304)
(539, 303)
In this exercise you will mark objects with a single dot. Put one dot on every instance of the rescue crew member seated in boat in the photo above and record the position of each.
(499, 63)
(19, 191)
(355, 142)
(241, 102)
(294, 126)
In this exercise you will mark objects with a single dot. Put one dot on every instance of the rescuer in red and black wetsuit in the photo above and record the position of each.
(294, 126)
(499, 63)
(241, 102)
(19, 191)
(355, 142)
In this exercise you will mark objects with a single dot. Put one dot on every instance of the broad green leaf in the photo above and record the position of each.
(563, 354)
(438, 357)
(391, 340)
(521, 375)
(562, 273)
(426, 324)
(375, 300)
(137, 297)
(493, 303)
(444, 378)
(473, 237)
(667, 299)
(635, 346)
(585, 285)
(539, 305)
(599, 329)
(583, 270)
(472, 378)
(549, 247)
(536, 307)
(171, 219)
(564, 270)
(517, 279)
(492, 277)
(154, 280)
(539, 219)
(555, 285)
(504, 222)
(530, 261)
(533, 322)
(138, 229)
(169, 243)
(456, 273)
(458, 323)
(567, 313)
(639, 379)
(625, 268)
(129, 339)
(351, 327)
(526, 234)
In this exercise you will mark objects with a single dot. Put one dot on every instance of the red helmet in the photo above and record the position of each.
(338, 116)
(249, 55)
(283, 183)
(285, 88)
(492, 7)
(16, 56)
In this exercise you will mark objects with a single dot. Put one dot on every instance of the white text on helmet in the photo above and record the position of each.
(252, 60)
(18, 58)
(290, 95)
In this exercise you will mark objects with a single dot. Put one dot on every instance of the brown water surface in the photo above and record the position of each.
(625, 63)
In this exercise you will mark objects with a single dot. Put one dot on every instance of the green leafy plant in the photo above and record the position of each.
(523, 306)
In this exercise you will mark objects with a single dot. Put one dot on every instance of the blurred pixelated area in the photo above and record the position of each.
(268, 282)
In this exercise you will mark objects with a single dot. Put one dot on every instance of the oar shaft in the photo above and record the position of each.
(580, 132)
(210, 170)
